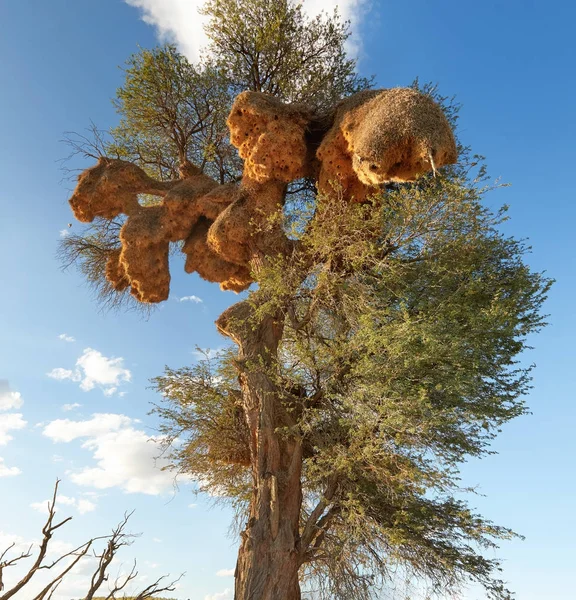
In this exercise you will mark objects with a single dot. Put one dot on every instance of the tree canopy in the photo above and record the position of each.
(399, 361)
(273, 47)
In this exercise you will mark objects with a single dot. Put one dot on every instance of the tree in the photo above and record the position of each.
(272, 47)
(380, 347)
(65, 563)
(396, 362)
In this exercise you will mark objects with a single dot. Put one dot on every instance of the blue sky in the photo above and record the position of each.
(509, 63)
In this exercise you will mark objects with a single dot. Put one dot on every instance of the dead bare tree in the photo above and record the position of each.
(114, 541)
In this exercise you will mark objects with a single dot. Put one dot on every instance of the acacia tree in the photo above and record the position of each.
(379, 349)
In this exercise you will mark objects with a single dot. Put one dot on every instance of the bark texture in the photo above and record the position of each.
(269, 557)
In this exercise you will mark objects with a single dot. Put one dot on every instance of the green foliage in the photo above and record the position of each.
(203, 411)
(172, 111)
(405, 318)
(273, 47)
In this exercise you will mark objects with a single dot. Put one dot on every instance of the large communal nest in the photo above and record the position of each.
(384, 136)
(369, 139)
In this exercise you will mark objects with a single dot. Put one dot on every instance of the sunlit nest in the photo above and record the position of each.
(371, 138)
(384, 136)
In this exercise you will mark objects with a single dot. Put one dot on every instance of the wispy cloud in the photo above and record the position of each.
(225, 595)
(69, 407)
(20, 543)
(207, 353)
(8, 471)
(194, 299)
(176, 21)
(66, 430)
(93, 369)
(125, 457)
(82, 505)
(179, 21)
(9, 399)
(225, 573)
(10, 422)
(64, 233)
(66, 338)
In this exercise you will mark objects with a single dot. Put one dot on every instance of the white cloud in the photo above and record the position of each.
(178, 21)
(65, 430)
(60, 374)
(125, 457)
(94, 369)
(41, 507)
(8, 398)
(225, 573)
(93, 494)
(8, 471)
(66, 338)
(225, 595)
(9, 422)
(66, 500)
(64, 233)
(80, 504)
(193, 505)
(20, 544)
(69, 407)
(194, 299)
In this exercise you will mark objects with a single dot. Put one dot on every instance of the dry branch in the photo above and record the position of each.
(116, 540)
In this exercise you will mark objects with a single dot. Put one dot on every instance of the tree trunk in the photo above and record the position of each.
(269, 557)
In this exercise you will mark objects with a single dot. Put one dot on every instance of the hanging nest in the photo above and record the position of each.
(253, 214)
(144, 255)
(185, 203)
(111, 188)
(200, 258)
(371, 138)
(384, 136)
(270, 136)
(115, 271)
